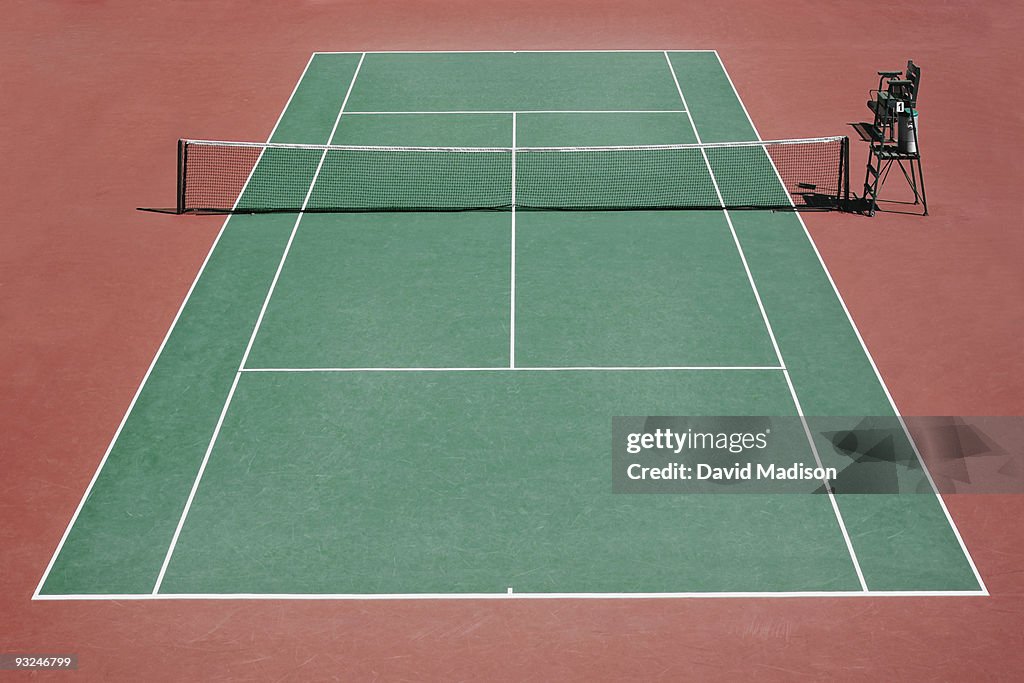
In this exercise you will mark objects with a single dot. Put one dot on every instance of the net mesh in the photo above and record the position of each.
(226, 177)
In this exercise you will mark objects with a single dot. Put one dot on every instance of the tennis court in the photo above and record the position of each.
(418, 404)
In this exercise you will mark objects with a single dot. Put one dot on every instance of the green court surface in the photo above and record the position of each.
(419, 404)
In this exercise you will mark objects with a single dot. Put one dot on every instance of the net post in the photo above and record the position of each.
(180, 206)
(843, 191)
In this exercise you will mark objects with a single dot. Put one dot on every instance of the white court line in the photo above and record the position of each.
(159, 351)
(487, 52)
(746, 595)
(775, 344)
(512, 287)
(252, 338)
(518, 111)
(863, 345)
(519, 368)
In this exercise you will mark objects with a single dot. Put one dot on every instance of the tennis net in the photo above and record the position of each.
(246, 177)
